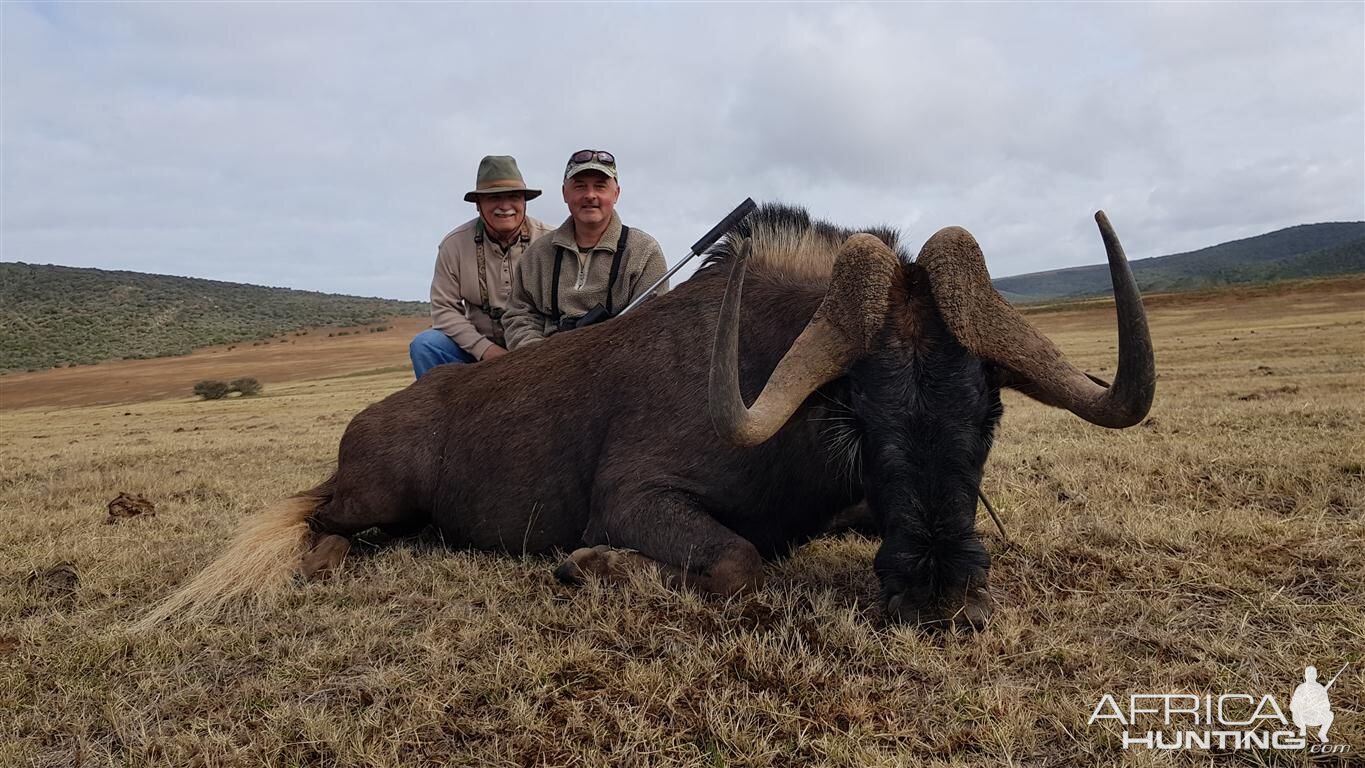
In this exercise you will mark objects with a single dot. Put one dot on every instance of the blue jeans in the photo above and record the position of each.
(431, 348)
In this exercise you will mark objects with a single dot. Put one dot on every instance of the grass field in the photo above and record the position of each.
(1217, 548)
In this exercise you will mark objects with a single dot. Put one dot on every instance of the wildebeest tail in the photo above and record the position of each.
(258, 564)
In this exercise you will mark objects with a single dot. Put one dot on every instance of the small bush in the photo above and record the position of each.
(247, 386)
(343, 333)
(211, 390)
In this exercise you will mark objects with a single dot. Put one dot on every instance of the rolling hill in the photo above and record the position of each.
(52, 316)
(56, 316)
(1307, 250)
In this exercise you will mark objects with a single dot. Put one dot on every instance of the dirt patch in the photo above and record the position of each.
(55, 581)
(290, 358)
(1265, 394)
(127, 505)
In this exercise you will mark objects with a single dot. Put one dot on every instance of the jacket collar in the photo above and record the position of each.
(564, 236)
(524, 236)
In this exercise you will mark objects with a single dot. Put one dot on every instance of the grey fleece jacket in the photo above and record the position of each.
(583, 279)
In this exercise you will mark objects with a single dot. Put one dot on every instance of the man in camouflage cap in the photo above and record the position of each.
(590, 268)
(474, 268)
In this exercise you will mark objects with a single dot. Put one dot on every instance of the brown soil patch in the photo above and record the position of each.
(284, 358)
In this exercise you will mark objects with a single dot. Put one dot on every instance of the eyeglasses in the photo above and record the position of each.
(589, 155)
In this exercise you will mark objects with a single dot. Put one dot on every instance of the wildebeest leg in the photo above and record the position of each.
(855, 519)
(684, 542)
(327, 554)
(604, 562)
(349, 512)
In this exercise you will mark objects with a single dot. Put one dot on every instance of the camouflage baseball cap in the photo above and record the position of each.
(498, 174)
(590, 160)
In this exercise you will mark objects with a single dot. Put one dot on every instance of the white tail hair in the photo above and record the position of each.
(258, 564)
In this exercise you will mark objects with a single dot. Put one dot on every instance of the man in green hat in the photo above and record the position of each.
(590, 268)
(474, 268)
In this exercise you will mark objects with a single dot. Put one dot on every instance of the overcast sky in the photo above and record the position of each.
(328, 146)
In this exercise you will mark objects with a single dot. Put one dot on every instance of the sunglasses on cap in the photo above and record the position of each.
(590, 155)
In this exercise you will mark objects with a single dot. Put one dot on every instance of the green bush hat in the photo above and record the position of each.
(498, 174)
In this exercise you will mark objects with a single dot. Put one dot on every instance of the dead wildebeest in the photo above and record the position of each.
(872, 377)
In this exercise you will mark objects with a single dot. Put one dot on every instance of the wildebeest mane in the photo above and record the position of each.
(789, 245)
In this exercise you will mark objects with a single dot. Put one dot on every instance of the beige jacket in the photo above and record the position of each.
(456, 304)
(583, 279)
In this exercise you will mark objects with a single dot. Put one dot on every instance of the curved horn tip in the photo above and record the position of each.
(745, 249)
(1106, 229)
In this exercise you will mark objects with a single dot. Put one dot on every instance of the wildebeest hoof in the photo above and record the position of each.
(739, 570)
(966, 610)
(581, 562)
(976, 610)
(326, 555)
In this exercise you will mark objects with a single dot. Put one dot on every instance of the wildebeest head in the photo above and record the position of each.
(924, 347)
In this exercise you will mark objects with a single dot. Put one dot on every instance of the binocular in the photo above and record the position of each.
(595, 315)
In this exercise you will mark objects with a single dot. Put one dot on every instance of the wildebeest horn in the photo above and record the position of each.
(986, 324)
(840, 331)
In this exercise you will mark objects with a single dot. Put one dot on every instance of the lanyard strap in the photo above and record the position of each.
(554, 284)
(524, 236)
(616, 265)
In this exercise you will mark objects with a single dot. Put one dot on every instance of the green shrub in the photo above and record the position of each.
(247, 386)
(211, 390)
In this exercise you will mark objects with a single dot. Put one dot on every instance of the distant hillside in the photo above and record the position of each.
(53, 315)
(1308, 250)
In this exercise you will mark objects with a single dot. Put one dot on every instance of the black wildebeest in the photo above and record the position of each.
(873, 377)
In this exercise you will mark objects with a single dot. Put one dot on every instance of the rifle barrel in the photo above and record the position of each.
(707, 240)
(1338, 674)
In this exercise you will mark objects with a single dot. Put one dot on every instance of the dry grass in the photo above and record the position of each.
(1216, 548)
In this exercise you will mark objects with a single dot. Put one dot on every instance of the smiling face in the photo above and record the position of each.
(591, 197)
(502, 213)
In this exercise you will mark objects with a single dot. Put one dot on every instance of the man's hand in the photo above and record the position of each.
(493, 351)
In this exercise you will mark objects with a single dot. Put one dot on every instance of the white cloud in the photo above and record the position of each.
(327, 146)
